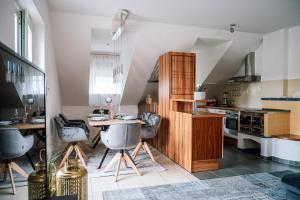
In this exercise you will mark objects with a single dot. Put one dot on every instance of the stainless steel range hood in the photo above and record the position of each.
(249, 63)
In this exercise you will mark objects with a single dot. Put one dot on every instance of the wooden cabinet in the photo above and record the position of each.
(207, 137)
(197, 140)
(192, 141)
(182, 74)
(176, 79)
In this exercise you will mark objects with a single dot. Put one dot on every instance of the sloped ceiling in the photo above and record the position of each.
(256, 16)
(208, 53)
(72, 38)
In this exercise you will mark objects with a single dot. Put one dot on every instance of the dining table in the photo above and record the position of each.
(27, 128)
(105, 123)
(109, 122)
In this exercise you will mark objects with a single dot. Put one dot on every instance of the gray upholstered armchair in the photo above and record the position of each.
(13, 145)
(74, 122)
(73, 133)
(148, 131)
(121, 137)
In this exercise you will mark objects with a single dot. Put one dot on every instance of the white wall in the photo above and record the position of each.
(274, 56)
(43, 53)
(208, 53)
(53, 101)
(280, 59)
(7, 24)
(72, 37)
(294, 53)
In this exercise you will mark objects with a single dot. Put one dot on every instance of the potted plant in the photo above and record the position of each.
(200, 93)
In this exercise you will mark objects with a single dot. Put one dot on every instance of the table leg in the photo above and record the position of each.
(103, 158)
(30, 160)
(96, 143)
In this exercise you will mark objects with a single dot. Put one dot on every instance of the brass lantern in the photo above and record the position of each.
(72, 180)
(37, 181)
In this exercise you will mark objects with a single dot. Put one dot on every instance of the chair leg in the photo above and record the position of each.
(129, 160)
(146, 147)
(4, 168)
(103, 158)
(112, 162)
(128, 155)
(12, 178)
(79, 155)
(30, 160)
(69, 151)
(118, 166)
(18, 169)
(125, 162)
(136, 150)
(82, 152)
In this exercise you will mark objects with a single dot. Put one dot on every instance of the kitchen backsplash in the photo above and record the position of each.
(243, 95)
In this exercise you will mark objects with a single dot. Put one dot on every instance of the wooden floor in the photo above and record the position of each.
(173, 174)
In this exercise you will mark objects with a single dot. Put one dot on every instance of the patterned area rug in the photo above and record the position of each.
(143, 162)
(261, 186)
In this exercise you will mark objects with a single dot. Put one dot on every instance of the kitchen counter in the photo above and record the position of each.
(196, 136)
(206, 114)
(259, 110)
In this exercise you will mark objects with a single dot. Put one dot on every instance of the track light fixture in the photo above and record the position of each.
(232, 28)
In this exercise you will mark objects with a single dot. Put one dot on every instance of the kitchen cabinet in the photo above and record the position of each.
(182, 74)
(192, 141)
(176, 80)
(197, 138)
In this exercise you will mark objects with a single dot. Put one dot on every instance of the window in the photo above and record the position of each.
(23, 34)
(16, 32)
(29, 43)
(102, 84)
(20, 32)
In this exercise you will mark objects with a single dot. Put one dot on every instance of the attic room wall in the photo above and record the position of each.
(53, 103)
(281, 63)
(249, 93)
(53, 98)
(72, 39)
(7, 30)
(277, 61)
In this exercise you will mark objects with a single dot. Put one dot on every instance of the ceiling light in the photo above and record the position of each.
(119, 23)
(118, 33)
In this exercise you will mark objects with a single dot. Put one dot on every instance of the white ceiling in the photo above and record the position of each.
(256, 16)
(101, 41)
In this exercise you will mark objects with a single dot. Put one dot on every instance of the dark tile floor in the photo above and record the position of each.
(236, 162)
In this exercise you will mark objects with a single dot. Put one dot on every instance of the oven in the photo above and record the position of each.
(252, 123)
(231, 123)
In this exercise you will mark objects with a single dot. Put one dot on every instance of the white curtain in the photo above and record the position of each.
(34, 87)
(102, 84)
(34, 82)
